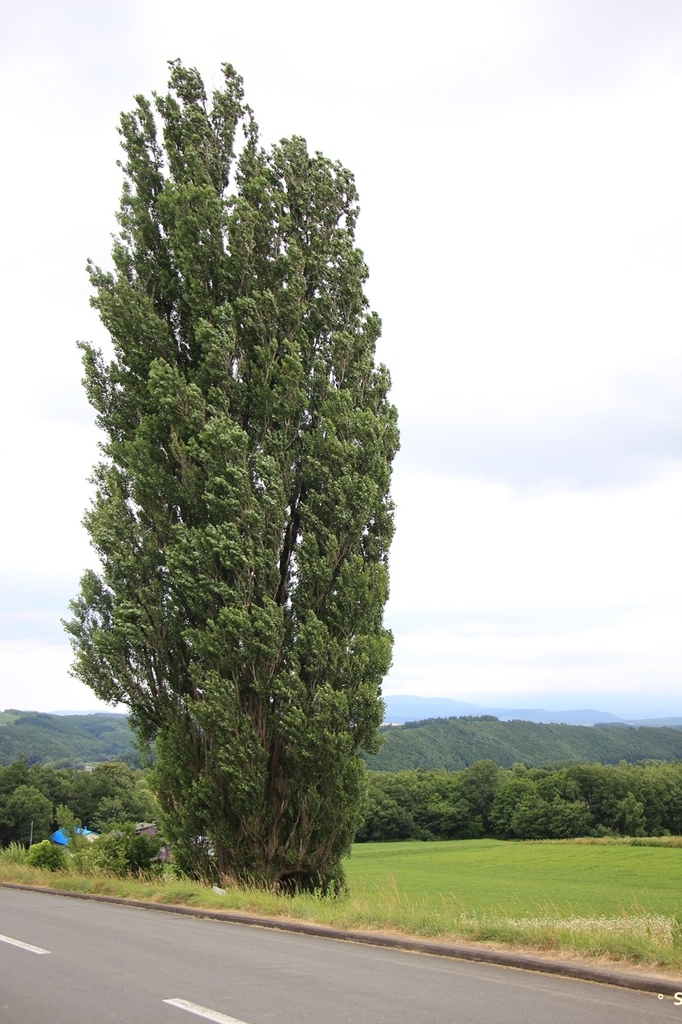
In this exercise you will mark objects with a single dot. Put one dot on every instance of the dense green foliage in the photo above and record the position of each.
(31, 797)
(454, 743)
(483, 800)
(66, 741)
(123, 851)
(46, 855)
(525, 803)
(242, 512)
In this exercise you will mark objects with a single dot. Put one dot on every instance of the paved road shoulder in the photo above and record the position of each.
(632, 979)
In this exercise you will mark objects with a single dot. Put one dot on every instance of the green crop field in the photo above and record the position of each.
(620, 900)
(488, 876)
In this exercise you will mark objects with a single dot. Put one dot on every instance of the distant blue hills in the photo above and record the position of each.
(405, 708)
(402, 708)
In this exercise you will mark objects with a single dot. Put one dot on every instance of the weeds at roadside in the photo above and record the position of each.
(629, 934)
(15, 853)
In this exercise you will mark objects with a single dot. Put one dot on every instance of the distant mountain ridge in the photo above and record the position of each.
(402, 708)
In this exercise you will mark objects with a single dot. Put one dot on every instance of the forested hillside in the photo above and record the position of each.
(454, 743)
(66, 741)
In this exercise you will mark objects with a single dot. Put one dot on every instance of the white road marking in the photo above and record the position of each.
(22, 945)
(203, 1011)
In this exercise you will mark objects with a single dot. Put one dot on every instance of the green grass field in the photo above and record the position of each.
(488, 876)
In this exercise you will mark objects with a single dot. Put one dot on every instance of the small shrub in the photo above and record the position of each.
(46, 855)
(123, 852)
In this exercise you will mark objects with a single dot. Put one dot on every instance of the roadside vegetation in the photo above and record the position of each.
(609, 900)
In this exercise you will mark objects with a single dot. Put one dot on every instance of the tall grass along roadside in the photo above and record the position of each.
(615, 901)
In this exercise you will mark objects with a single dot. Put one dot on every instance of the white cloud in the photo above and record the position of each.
(35, 678)
(628, 664)
(618, 433)
(462, 545)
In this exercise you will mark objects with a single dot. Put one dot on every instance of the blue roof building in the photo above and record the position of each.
(60, 839)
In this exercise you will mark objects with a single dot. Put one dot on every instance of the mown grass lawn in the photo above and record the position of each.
(488, 876)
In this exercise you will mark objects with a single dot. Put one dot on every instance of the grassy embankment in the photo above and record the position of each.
(618, 900)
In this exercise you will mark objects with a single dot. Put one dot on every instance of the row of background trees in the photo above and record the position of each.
(481, 800)
(525, 803)
(31, 798)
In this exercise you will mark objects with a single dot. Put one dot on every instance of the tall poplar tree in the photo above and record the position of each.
(242, 514)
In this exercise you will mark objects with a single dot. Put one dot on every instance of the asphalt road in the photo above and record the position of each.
(107, 963)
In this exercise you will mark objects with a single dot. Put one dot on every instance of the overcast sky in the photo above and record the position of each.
(519, 166)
